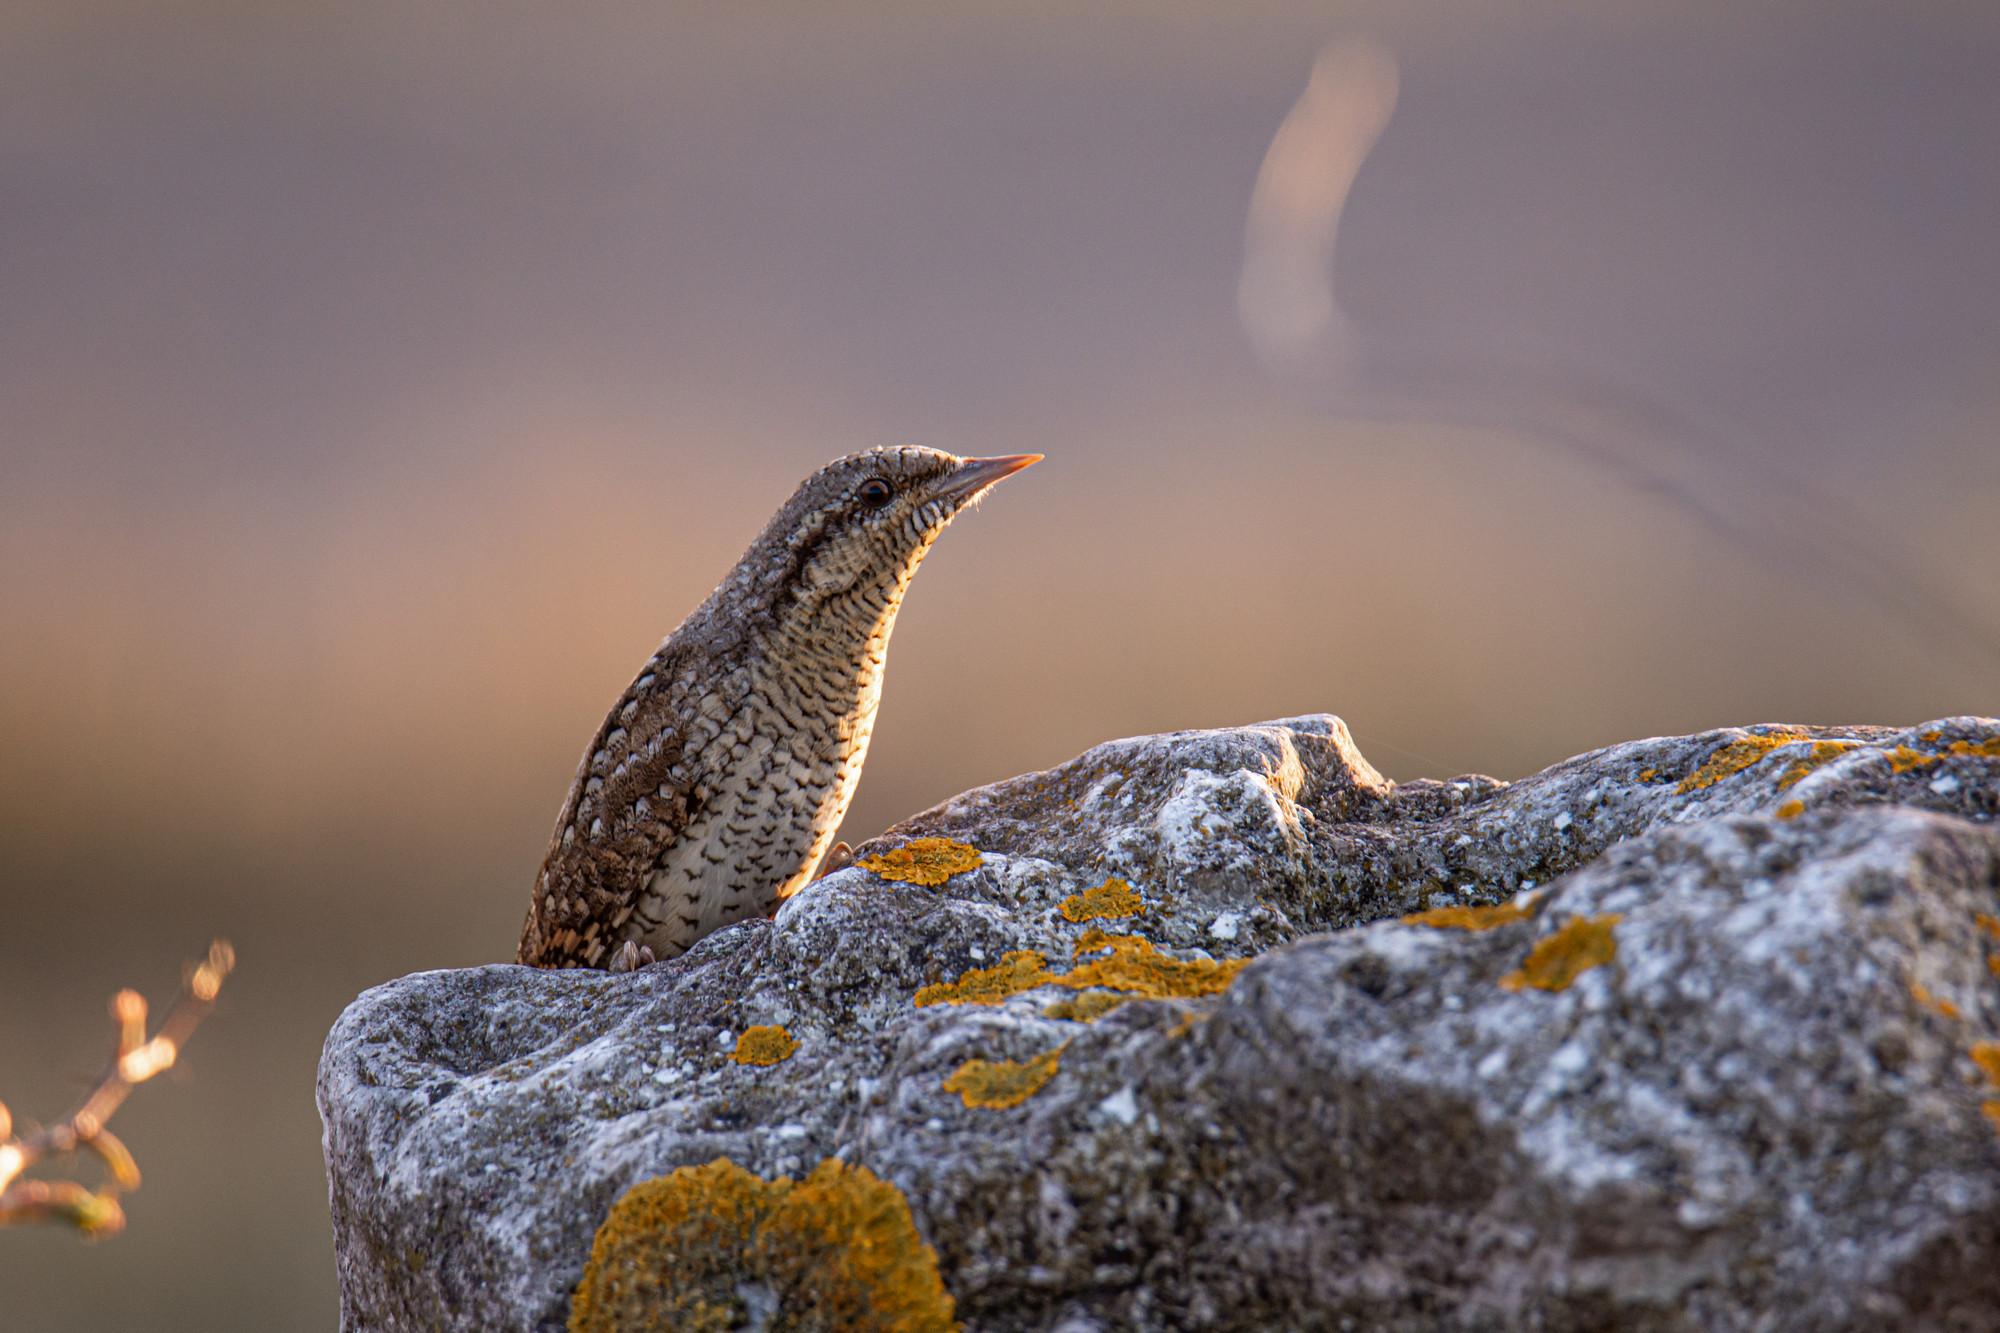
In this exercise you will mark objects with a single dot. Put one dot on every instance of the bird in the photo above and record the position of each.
(716, 783)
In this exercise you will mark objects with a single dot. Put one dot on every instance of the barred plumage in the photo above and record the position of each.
(714, 787)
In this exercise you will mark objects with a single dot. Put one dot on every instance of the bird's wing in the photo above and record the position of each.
(633, 795)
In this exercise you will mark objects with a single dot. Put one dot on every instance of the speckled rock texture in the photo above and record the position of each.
(1723, 1060)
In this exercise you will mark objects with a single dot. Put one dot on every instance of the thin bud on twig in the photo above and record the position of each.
(137, 1058)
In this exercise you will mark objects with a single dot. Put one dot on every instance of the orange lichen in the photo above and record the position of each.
(1558, 960)
(926, 861)
(764, 1045)
(1087, 1007)
(1113, 898)
(1648, 774)
(1989, 924)
(1474, 918)
(1791, 809)
(1137, 968)
(998, 1084)
(1986, 1054)
(1902, 759)
(837, 1250)
(1931, 1002)
(1134, 968)
(1821, 752)
(1018, 970)
(1736, 756)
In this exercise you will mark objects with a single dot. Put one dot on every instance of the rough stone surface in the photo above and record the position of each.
(1764, 1112)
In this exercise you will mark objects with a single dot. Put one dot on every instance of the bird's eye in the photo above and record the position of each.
(875, 492)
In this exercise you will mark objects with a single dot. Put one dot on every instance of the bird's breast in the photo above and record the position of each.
(776, 777)
(764, 819)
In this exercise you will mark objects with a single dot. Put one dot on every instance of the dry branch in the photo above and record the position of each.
(96, 1212)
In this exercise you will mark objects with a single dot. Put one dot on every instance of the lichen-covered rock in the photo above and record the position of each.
(715, 1247)
(1223, 1030)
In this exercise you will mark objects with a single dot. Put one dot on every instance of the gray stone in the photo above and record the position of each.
(1763, 1112)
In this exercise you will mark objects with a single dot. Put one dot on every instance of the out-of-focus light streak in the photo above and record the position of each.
(1712, 472)
(1285, 295)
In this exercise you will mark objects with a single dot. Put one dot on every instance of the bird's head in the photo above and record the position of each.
(856, 530)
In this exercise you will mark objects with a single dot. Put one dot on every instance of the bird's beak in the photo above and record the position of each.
(974, 475)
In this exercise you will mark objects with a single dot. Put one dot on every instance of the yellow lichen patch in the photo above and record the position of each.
(999, 1084)
(1474, 918)
(1922, 996)
(1821, 752)
(926, 861)
(1736, 756)
(1087, 1007)
(1093, 940)
(837, 1250)
(1559, 959)
(1987, 923)
(1113, 898)
(1993, 963)
(1648, 774)
(1986, 1054)
(1134, 968)
(1791, 809)
(1017, 971)
(1902, 759)
(1137, 968)
(764, 1045)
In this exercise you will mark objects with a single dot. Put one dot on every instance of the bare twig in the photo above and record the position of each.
(95, 1212)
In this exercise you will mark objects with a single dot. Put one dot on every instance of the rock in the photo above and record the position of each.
(1223, 1030)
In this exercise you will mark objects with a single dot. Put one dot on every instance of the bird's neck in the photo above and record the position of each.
(831, 646)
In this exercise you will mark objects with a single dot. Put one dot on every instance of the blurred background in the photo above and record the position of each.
(379, 383)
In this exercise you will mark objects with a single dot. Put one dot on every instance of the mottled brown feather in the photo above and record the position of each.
(584, 885)
(716, 783)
